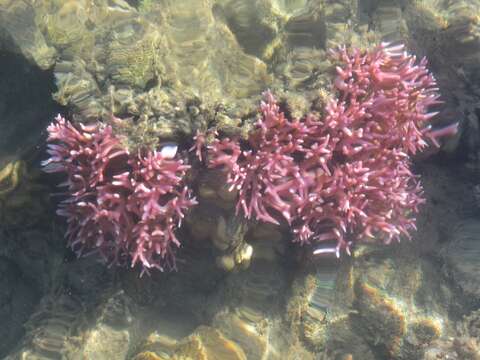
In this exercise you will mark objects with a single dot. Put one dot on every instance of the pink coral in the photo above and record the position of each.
(345, 176)
(124, 206)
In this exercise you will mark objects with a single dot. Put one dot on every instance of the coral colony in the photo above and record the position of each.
(336, 179)
(127, 207)
(345, 176)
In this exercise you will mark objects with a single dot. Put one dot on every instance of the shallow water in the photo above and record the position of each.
(181, 230)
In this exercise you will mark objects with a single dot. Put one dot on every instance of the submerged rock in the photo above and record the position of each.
(461, 254)
(51, 329)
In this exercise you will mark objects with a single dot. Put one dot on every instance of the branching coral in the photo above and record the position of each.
(347, 175)
(125, 206)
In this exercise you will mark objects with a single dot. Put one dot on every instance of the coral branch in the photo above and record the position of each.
(346, 176)
(126, 207)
